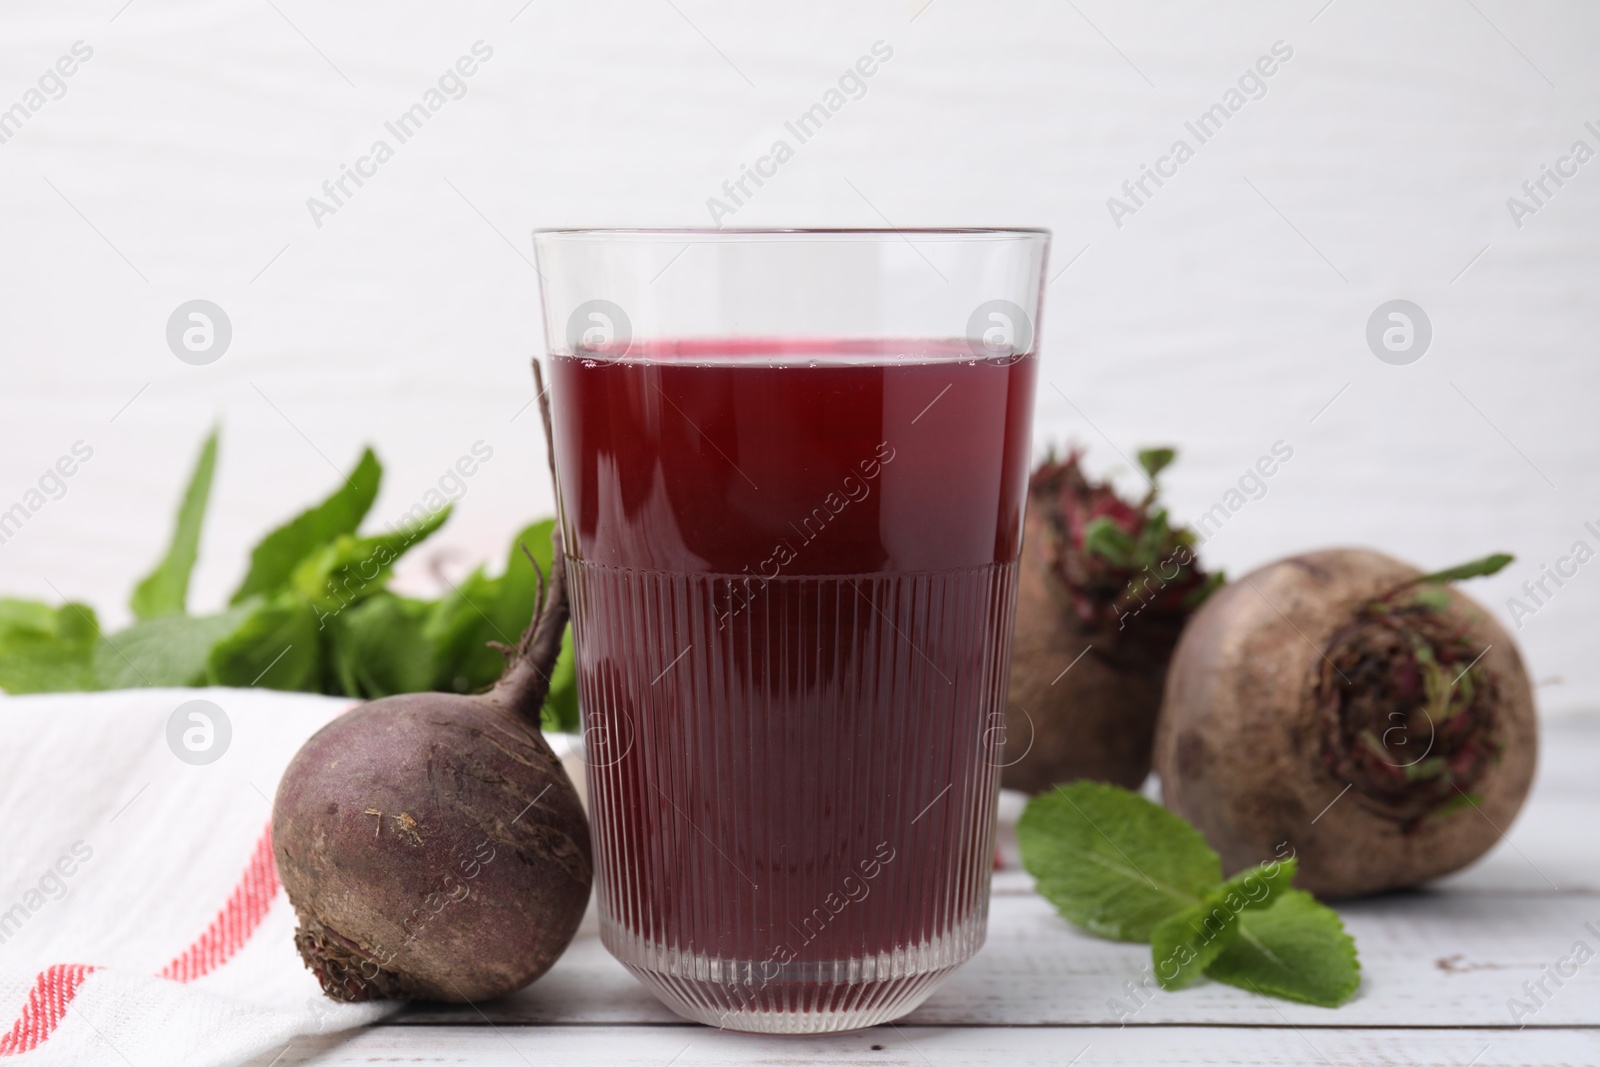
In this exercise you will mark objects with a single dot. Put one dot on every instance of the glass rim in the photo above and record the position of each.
(733, 233)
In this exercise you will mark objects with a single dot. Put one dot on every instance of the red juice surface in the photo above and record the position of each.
(792, 570)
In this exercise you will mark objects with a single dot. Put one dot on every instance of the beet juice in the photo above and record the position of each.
(792, 568)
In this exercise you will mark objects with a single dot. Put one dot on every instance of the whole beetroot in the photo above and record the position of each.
(432, 845)
(1341, 703)
(1103, 589)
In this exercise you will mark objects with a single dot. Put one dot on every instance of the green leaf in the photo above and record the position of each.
(1183, 946)
(460, 626)
(481, 609)
(519, 583)
(1256, 888)
(274, 559)
(276, 647)
(1103, 537)
(1296, 949)
(45, 649)
(169, 651)
(1478, 568)
(352, 568)
(1432, 597)
(1156, 460)
(1112, 861)
(47, 667)
(166, 589)
(383, 646)
(514, 611)
(339, 670)
(560, 712)
(26, 618)
(1156, 532)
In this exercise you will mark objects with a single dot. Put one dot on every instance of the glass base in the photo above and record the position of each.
(796, 997)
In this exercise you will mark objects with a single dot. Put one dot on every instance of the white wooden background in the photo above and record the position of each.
(1438, 968)
(1221, 317)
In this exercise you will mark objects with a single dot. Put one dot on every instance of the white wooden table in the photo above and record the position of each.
(1439, 967)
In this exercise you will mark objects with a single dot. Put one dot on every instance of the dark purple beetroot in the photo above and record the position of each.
(434, 849)
(431, 844)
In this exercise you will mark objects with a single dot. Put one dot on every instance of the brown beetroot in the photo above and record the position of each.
(432, 844)
(1342, 677)
(1103, 589)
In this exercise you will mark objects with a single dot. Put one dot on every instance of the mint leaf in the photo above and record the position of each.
(47, 667)
(352, 567)
(383, 647)
(274, 559)
(460, 627)
(1112, 861)
(1478, 568)
(560, 712)
(1296, 949)
(169, 651)
(276, 647)
(166, 589)
(1255, 888)
(45, 649)
(1120, 866)
(513, 608)
(481, 609)
(28, 621)
(514, 611)
(339, 673)
(25, 618)
(1183, 946)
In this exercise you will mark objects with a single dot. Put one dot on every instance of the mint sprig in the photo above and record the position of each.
(313, 613)
(1297, 949)
(1184, 946)
(1114, 868)
(1122, 867)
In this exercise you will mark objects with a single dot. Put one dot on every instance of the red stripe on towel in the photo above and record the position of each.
(47, 1002)
(239, 918)
(235, 923)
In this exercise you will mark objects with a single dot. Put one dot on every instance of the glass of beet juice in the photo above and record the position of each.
(790, 474)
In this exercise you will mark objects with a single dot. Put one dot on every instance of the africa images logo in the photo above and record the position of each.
(199, 332)
(999, 331)
(1399, 332)
(599, 328)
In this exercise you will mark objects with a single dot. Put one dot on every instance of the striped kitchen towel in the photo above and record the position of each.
(141, 918)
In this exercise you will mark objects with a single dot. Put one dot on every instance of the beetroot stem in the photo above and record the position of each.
(525, 685)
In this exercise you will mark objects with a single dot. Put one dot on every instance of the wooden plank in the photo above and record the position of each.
(916, 1046)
